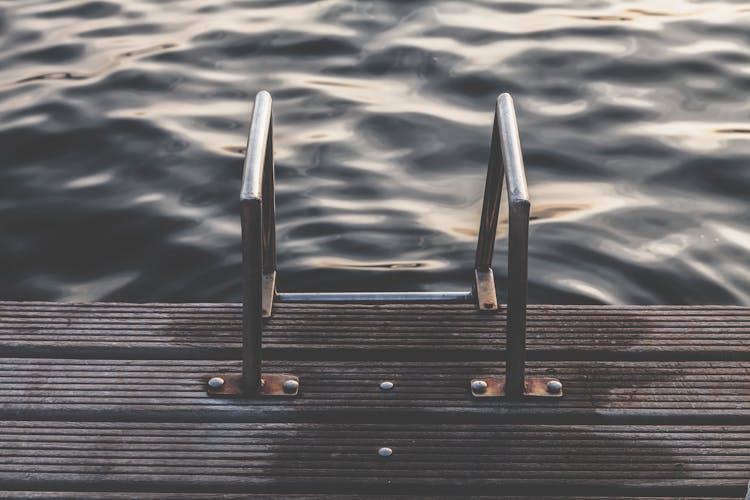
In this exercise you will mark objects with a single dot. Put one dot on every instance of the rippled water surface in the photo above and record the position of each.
(123, 126)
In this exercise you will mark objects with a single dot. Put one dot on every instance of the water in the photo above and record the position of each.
(123, 126)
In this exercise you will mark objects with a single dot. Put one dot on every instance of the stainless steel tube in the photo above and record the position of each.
(377, 297)
(258, 235)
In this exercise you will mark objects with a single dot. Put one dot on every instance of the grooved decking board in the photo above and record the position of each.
(85, 420)
(204, 331)
(701, 392)
(426, 457)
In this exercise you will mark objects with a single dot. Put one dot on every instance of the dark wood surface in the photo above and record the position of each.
(211, 331)
(111, 397)
(653, 392)
(280, 457)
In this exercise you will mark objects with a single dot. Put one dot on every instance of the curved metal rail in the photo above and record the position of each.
(506, 161)
(257, 206)
(259, 261)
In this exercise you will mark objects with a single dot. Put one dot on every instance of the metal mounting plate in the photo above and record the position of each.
(272, 384)
(535, 387)
(484, 285)
(269, 291)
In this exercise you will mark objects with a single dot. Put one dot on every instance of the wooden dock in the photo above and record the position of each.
(374, 395)
(113, 397)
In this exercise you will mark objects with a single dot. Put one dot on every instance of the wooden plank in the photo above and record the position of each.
(647, 392)
(417, 331)
(444, 441)
(427, 458)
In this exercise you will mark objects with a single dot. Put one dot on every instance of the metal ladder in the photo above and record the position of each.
(257, 206)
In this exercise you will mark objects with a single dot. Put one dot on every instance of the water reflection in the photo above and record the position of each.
(123, 126)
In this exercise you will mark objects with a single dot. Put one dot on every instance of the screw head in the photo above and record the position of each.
(385, 452)
(554, 386)
(216, 383)
(478, 386)
(290, 386)
(386, 385)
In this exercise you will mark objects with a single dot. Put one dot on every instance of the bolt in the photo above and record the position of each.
(554, 387)
(216, 383)
(386, 386)
(478, 386)
(385, 452)
(290, 386)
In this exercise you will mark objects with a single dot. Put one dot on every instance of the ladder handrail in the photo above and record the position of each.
(258, 174)
(259, 252)
(506, 160)
(257, 200)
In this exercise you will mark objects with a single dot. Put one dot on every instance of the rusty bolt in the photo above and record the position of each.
(554, 387)
(386, 386)
(216, 383)
(478, 386)
(385, 452)
(290, 386)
